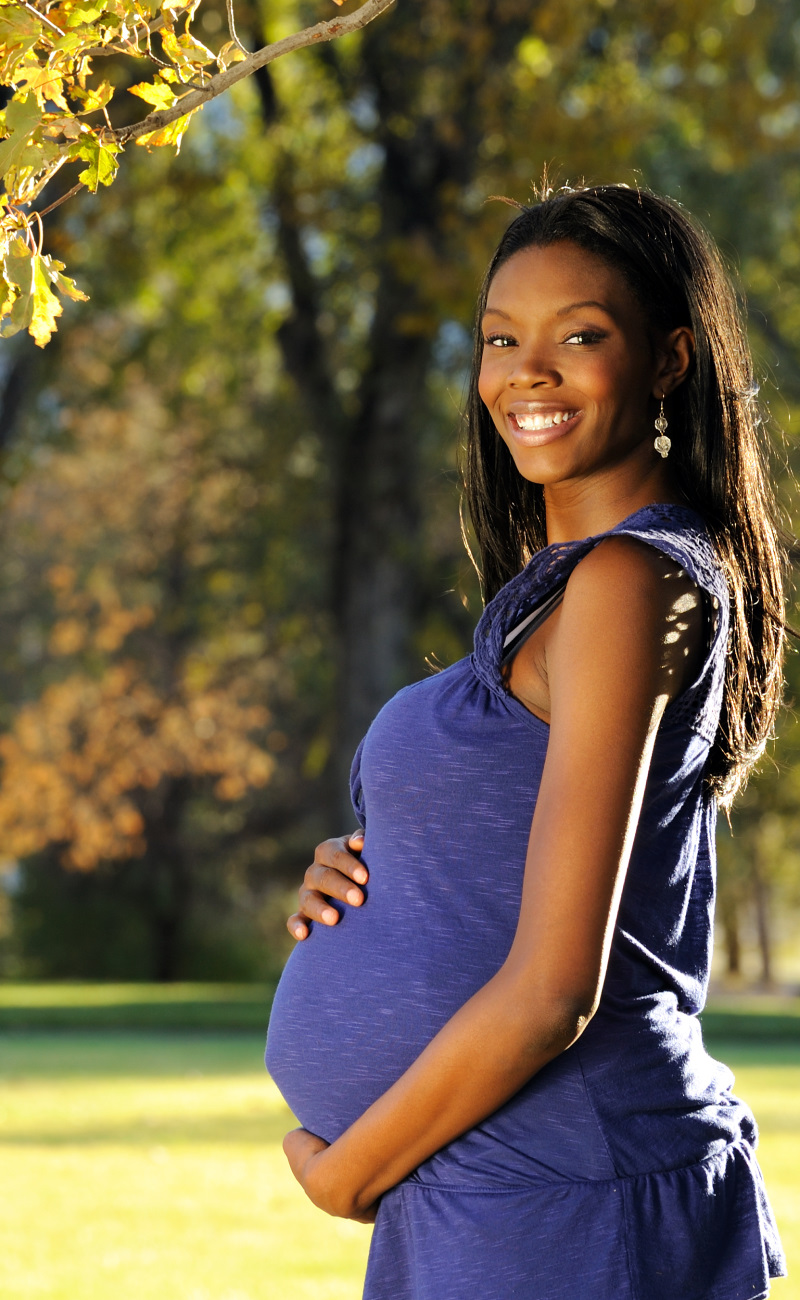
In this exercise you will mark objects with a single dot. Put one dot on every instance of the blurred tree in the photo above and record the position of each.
(346, 241)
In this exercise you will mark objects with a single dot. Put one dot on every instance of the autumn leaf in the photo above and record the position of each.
(45, 83)
(92, 100)
(229, 54)
(170, 134)
(184, 49)
(155, 93)
(31, 303)
(84, 11)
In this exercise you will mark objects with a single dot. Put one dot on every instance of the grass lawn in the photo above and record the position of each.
(135, 1166)
(146, 1165)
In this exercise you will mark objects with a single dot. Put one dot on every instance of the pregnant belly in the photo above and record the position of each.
(358, 1003)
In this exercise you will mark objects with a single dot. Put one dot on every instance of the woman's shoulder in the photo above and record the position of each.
(639, 571)
(626, 576)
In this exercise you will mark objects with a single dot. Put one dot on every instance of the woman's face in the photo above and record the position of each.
(570, 368)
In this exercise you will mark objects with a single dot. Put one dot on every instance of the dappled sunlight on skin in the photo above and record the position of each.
(683, 644)
(684, 638)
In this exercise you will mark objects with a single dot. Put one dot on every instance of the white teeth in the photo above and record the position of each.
(532, 423)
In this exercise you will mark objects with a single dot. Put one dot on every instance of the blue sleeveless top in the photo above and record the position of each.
(624, 1170)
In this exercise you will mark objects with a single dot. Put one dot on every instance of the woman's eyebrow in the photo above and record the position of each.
(562, 311)
(589, 302)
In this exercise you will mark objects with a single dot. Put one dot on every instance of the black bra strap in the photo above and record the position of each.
(519, 635)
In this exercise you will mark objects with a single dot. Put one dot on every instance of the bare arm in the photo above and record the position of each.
(609, 681)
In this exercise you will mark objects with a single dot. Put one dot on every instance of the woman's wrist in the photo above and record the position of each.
(327, 1177)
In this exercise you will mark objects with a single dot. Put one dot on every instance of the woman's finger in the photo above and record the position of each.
(335, 873)
(297, 926)
(337, 855)
(326, 881)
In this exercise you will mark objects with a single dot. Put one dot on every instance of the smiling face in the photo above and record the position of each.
(570, 369)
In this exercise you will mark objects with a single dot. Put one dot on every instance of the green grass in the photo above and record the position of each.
(146, 1164)
(753, 1018)
(135, 1006)
(137, 1166)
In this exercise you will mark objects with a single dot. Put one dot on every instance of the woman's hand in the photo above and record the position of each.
(307, 1160)
(334, 873)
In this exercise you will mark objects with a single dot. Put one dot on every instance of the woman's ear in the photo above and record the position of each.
(675, 354)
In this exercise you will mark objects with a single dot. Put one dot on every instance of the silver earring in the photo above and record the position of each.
(662, 443)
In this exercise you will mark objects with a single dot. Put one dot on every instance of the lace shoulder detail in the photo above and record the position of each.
(678, 532)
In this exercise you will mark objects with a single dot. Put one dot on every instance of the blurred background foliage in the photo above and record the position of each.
(229, 486)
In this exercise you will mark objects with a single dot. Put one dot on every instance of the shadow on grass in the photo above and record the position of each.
(267, 1129)
(116, 1054)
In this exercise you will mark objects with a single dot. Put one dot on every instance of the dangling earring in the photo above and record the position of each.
(662, 443)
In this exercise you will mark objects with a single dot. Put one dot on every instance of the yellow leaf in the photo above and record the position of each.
(155, 93)
(98, 98)
(171, 134)
(45, 84)
(32, 304)
(185, 49)
(229, 54)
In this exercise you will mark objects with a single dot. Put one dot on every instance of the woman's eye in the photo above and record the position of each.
(584, 337)
(499, 341)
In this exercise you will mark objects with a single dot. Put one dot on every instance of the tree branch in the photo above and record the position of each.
(327, 31)
(133, 51)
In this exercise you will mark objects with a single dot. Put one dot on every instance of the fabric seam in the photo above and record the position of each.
(509, 1188)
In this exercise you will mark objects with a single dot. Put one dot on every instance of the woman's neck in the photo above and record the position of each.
(582, 508)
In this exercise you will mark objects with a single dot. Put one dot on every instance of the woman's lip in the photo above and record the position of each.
(538, 437)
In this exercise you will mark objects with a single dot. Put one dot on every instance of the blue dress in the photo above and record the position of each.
(625, 1169)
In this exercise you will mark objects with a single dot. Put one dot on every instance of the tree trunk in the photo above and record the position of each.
(761, 899)
(170, 888)
(729, 919)
(431, 150)
(376, 555)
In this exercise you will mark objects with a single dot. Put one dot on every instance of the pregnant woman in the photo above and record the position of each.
(497, 1054)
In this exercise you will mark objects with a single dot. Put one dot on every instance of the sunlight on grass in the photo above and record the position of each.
(143, 1168)
(148, 1167)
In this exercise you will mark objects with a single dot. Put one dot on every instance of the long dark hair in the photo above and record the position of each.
(719, 457)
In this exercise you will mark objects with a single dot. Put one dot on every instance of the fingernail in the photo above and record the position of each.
(330, 916)
(353, 896)
(360, 875)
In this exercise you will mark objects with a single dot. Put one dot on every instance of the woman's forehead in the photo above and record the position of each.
(557, 278)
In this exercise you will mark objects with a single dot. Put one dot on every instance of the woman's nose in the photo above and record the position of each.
(533, 369)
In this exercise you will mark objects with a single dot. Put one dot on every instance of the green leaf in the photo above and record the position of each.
(19, 33)
(100, 156)
(22, 113)
(17, 310)
(22, 118)
(85, 11)
(64, 284)
(31, 303)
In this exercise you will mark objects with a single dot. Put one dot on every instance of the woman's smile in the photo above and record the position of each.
(534, 425)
